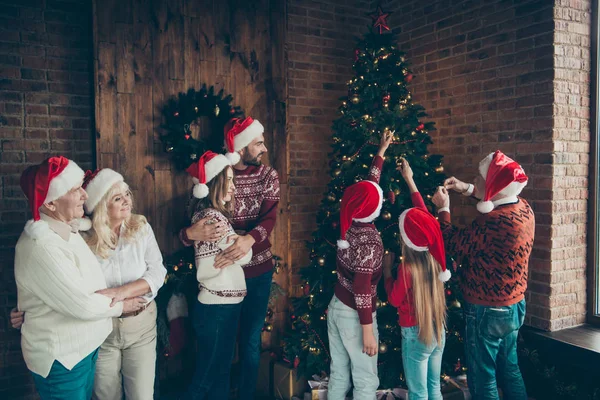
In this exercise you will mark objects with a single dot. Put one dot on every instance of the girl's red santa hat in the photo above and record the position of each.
(504, 180)
(46, 182)
(204, 170)
(238, 134)
(420, 231)
(361, 202)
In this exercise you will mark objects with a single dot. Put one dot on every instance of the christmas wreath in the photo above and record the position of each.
(181, 133)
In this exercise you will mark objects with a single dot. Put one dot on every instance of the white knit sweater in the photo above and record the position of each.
(57, 275)
(218, 286)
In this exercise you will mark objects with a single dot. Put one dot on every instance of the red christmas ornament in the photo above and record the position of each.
(334, 224)
(232, 111)
(421, 127)
(391, 196)
(296, 362)
(448, 292)
(353, 123)
(409, 77)
(176, 113)
(379, 20)
(187, 137)
(386, 98)
(356, 53)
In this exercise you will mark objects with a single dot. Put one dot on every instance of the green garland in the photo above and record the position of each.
(183, 111)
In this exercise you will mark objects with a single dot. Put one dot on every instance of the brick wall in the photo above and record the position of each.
(45, 109)
(320, 42)
(571, 137)
(499, 75)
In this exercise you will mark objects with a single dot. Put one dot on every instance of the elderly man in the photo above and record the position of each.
(57, 276)
(494, 256)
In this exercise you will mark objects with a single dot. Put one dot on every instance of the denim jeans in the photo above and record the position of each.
(216, 331)
(491, 350)
(254, 310)
(64, 384)
(422, 365)
(347, 358)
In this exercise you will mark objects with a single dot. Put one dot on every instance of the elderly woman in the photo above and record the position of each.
(57, 278)
(131, 261)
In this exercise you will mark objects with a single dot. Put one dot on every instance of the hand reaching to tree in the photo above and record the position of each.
(386, 140)
(407, 173)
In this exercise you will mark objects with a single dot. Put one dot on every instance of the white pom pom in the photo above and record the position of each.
(200, 191)
(485, 207)
(36, 229)
(343, 244)
(233, 158)
(444, 276)
(85, 224)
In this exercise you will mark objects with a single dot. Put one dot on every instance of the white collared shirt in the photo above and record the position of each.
(130, 261)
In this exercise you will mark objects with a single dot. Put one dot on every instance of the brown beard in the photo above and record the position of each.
(252, 161)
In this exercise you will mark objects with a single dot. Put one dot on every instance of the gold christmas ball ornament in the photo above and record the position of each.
(365, 117)
(355, 99)
(383, 348)
(396, 192)
(455, 304)
(321, 261)
(386, 215)
(440, 169)
(331, 197)
(378, 303)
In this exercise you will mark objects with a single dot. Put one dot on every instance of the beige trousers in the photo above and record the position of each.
(127, 359)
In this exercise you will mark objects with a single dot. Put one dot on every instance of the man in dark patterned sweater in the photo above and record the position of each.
(494, 256)
(256, 202)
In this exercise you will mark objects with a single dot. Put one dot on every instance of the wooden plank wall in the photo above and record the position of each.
(147, 51)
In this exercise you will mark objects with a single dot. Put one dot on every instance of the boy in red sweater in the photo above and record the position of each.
(351, 324)
(494, 253)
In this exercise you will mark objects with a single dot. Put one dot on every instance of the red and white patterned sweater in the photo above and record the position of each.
(359, 266)
(256, 201)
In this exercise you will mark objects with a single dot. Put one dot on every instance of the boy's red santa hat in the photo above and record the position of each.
(204, 170)
(238, 134)
(46, 182)
(420, 231)
(361, 202)
(503, 176)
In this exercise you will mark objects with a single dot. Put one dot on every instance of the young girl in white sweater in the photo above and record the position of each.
(217, 311)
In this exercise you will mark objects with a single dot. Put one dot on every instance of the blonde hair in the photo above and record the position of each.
(428, 293)
(217, 190)
(101, 238)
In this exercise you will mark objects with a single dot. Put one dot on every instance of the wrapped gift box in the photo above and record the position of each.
(456, 389)
(286, 382)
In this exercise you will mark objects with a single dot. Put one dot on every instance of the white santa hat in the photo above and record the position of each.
(238, 134)
(361, 202)
(46, 182)
(503, 177)
(204, 170)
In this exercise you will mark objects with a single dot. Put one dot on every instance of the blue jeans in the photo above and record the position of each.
(422, 365)
(62, 384)
(347, 358)
(254, 310)
(491, 350)
(216, 331)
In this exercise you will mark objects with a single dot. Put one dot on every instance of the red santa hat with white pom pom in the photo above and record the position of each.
(361, 202)
(204, 170)
(238, 134)
(504, 179)
(420, 231)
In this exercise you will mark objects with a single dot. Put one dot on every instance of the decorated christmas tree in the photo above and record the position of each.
(378, 100)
